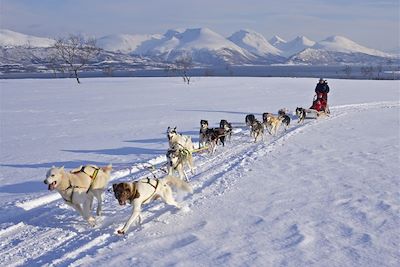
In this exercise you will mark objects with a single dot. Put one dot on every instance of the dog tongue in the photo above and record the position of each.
(51, 186)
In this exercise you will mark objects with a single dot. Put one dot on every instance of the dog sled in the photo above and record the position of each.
(319, 106)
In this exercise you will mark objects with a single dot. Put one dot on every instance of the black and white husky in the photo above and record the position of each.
(215, 135)
(203, 133)
(285, 118)
(301, 114)
(224, 124)
(250, 119)
(257, 130)
(177, 158)
(174, 137)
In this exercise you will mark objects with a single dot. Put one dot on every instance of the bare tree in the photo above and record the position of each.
(183, 65)
(75, 52)
(53, 64)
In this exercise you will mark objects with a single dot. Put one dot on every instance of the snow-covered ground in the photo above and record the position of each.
(323, 193)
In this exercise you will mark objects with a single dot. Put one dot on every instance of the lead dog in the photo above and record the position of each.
(80, 186)
(144, 191)
(177, 157)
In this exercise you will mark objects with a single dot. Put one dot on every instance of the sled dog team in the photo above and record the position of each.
(80, 186)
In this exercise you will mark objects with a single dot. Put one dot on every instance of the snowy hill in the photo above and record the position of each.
(11, 39)
(322, 193)
(338, 49)
(124, 43)
(276, 41)
(313, 56)
(202, 44)
(205, 47)
(295, 46)
(345, 45)
(254, 43)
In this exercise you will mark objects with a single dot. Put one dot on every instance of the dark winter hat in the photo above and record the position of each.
(321, 79)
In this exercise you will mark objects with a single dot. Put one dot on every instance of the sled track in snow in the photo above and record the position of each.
(56, 235)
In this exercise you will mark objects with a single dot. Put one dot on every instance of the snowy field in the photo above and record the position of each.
(323, 193)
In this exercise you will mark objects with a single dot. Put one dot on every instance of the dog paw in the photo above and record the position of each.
(185, 209)
(92, 221)
(121, 232)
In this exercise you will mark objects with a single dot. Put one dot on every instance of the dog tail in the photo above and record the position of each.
(178, 183)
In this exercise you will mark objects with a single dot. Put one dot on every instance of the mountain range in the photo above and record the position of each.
(208, 48)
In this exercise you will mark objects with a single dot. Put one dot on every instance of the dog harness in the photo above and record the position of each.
(72, 187)
(92, 176)
(183, 153)
(147, 181)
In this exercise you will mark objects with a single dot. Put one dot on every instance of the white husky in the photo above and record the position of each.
(80, 186)
(183, 141)
(180, 151)
(177, 157)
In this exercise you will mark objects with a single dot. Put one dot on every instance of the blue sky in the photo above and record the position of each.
(371, 23)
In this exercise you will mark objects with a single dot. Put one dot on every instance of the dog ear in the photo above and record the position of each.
(126, 186)
(114, 187)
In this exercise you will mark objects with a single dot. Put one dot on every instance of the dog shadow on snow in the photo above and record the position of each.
(23, 188)
(67, 164)
(122, 151)
(148, 141)
(219, 111)
(164, 141)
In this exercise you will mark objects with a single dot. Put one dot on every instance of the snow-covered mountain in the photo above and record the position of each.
(295, 46)
(312, 56)
(345, 45)
(204, 47)
(125, 43)
(202, 44)
(276, 41)
(11, 38)
(339, 49)
(254, 43)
